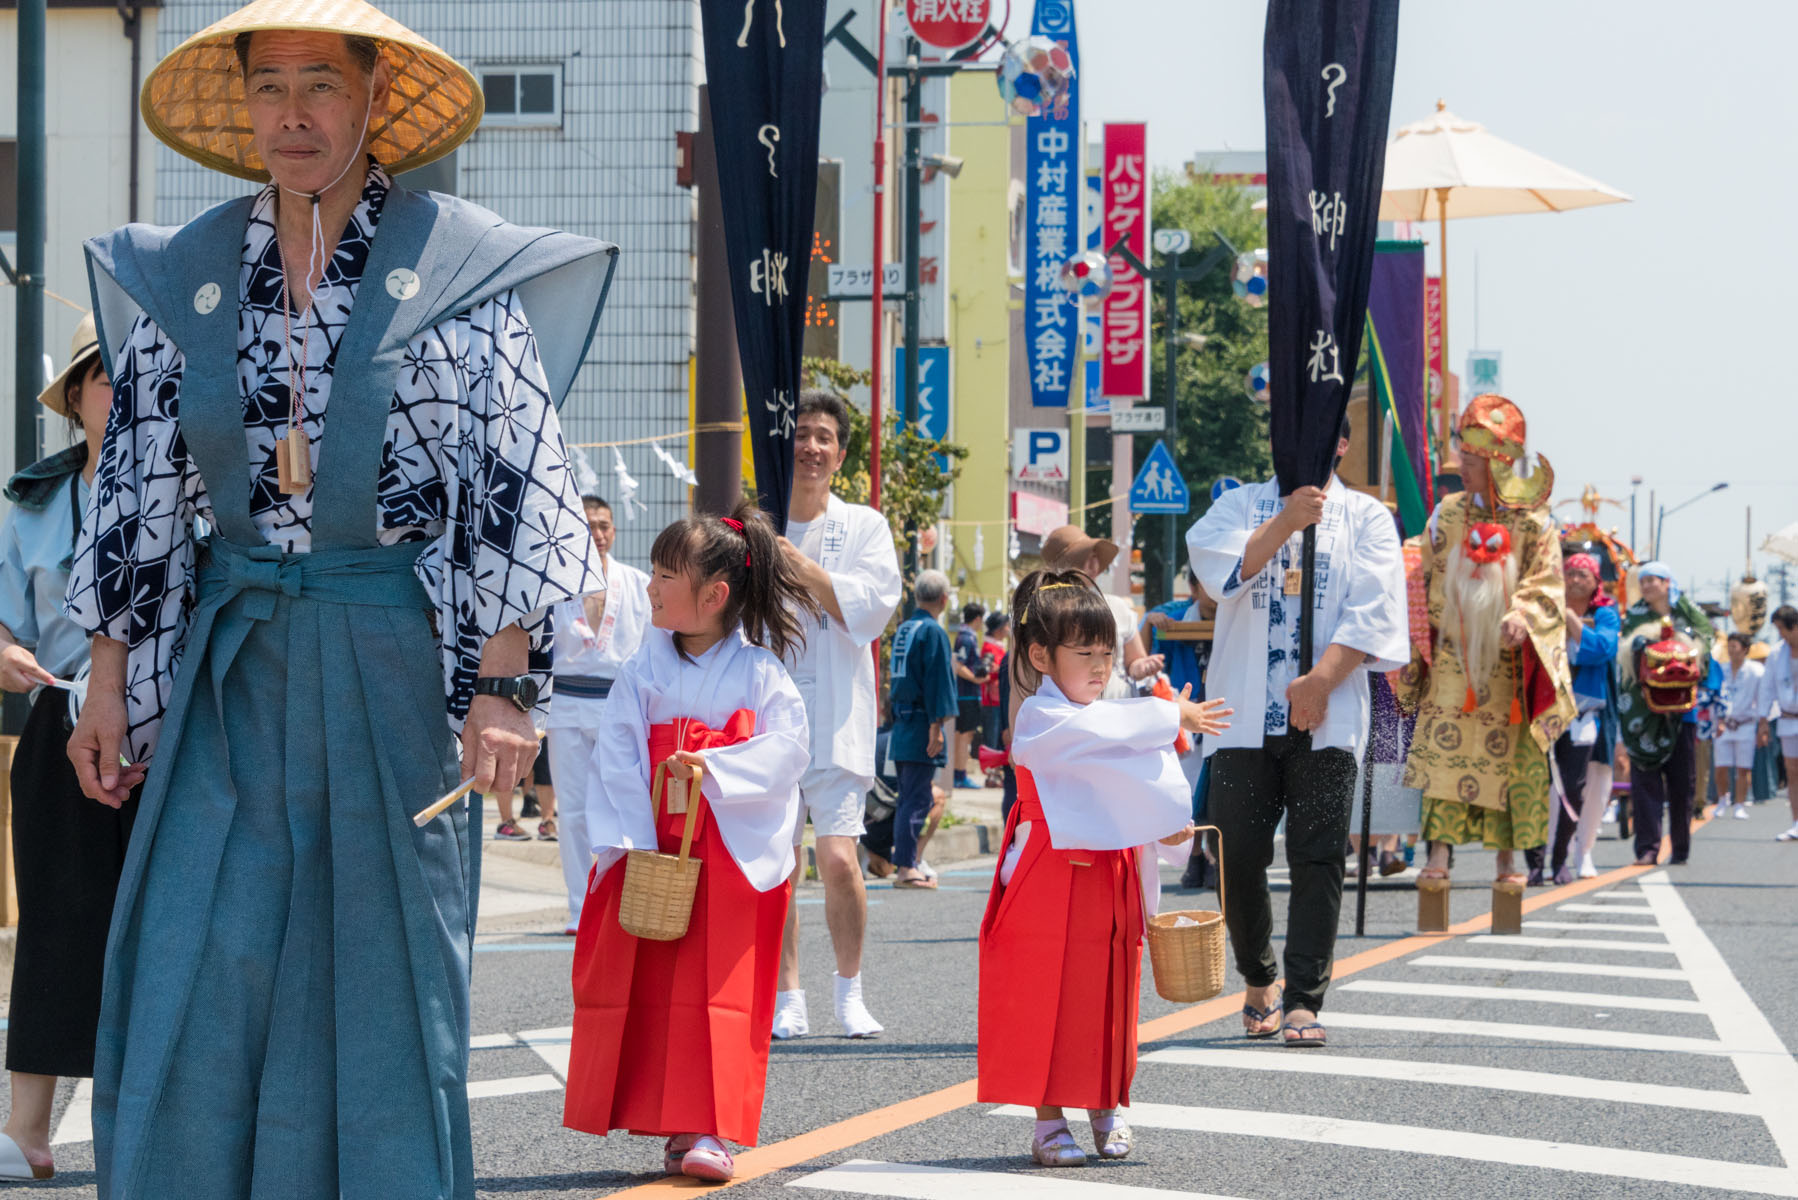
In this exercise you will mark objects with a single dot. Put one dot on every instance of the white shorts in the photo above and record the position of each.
(836, 798)
(1736, 753)
(1788, 745)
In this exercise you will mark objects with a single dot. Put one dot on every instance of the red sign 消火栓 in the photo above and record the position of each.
(948, 24)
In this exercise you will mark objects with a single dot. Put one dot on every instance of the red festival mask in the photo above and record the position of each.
(1488, 543)
(1671, 673)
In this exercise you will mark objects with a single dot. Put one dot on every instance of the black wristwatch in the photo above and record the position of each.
(519, 689)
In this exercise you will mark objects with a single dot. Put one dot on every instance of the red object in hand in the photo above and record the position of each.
(1165, 691)
(991, 759)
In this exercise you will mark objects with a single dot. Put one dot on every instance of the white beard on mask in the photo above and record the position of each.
(1475, 599)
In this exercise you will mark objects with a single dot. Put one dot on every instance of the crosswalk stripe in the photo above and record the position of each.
(1511, 939)
(1761, 1058)
(924, 1182)
(1621, 892)
(1455, 991)
(1598, 926)
(551, 1046)
(1614, 1039)
(77, 1124)
(492, 1041)
(1606, 909)
(486, 1089)
(1477, 962)
(1503, 1079)
(1480, 1147)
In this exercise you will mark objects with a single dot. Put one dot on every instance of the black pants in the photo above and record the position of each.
(1250, 791)
(67, 854)
(1572, 761)
(1671, 784)
(912, 811)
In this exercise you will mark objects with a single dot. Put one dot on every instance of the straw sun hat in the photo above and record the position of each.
(84, 348)
(194, 99)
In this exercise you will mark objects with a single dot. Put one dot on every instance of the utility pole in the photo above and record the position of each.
(914, 73)
(1168, 277)
(28, 365)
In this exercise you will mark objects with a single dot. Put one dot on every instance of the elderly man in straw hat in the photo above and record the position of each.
(353, 386)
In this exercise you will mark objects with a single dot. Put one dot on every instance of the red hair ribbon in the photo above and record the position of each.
(738, 526)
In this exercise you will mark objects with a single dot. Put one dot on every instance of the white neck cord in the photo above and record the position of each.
(314, 259)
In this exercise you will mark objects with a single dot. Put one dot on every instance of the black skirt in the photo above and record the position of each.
(67, 854)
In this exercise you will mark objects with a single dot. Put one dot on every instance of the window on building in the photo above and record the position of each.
(524, 96)
(9, 186)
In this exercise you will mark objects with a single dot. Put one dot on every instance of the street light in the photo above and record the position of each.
(1660, 521)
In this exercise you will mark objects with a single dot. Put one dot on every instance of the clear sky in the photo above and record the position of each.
(1632, 334)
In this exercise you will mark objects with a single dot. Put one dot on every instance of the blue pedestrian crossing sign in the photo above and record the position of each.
(1158, 487)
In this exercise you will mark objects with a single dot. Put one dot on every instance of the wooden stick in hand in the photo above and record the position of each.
(432, 813)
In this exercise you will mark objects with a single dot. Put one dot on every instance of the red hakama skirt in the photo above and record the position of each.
(1060, 972)
(672, 1037)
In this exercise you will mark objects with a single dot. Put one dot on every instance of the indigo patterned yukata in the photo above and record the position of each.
(286, 998)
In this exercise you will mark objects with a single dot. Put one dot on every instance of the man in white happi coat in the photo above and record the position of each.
(844, 553)
(595, 635)
(1294, 744)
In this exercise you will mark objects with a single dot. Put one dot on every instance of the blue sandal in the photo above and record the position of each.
(1296, 1035)
(1258, 1015)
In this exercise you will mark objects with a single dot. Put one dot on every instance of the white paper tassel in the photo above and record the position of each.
(627, 488)
(980, 547)
(586, 480)
(676, 467)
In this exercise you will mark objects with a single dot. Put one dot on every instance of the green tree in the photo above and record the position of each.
(913, 483)
(1219, 429)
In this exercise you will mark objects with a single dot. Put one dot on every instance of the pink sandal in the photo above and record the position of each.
(708, 1160)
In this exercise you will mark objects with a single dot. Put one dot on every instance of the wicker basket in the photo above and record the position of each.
(657, 898)
(1189, 961)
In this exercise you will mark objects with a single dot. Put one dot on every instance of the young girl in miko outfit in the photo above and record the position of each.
(1061, 944)
(671, 1038)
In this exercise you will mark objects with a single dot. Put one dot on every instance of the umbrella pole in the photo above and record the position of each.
(1450, 465)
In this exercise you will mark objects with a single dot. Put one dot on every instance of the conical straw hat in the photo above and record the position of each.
(194, 99)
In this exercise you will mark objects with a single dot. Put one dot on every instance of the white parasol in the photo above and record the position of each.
(1446, 166)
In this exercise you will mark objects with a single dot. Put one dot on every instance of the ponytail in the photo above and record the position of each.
(1056, 608)
(743, 550)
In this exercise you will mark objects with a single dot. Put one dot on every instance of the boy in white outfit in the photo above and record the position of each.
(594, 637)
(1743, 727)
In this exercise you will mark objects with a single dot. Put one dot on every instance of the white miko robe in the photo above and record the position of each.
(1361, 580)
(752, 787)
(1106, 775)
(856, 549)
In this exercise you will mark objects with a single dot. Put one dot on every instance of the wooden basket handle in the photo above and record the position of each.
(659, 779)
(686, 837)
(1220, 862)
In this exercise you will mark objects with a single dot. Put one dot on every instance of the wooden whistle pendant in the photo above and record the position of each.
(293, 461)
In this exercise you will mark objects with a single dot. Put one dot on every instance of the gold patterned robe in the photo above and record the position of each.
(1483, 780)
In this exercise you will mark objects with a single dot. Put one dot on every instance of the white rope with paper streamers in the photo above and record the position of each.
(586, 479)
(979, 548)
(676, 467)
(627, 488)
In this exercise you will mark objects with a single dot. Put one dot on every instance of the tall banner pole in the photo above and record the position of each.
(1327, 74)
(765, 65)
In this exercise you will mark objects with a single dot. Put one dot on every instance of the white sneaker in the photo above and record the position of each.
(1587, 868)
(1610, 813)
(1790, 835)
(852, 1014)
(790, 1019)
(1741, 812)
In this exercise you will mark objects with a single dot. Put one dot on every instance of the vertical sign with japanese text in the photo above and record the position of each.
(768, 59)
(1327, 80)
(1052, 223)
(1125, 183)
(1432, 325)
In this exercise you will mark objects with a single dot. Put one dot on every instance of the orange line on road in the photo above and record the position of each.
(852, 1131)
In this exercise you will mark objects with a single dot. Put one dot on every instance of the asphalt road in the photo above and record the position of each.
(1629, 1044)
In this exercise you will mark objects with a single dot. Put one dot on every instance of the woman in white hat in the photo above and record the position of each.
(66, 851)
(354, 386)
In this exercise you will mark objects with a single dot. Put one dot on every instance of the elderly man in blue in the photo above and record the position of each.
(344, 381)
